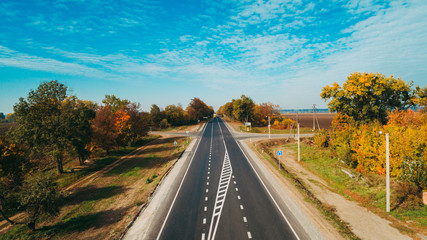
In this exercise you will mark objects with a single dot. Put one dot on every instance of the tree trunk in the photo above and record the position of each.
(32, 225)
(81, 160)
(59, 164)
(6, 218)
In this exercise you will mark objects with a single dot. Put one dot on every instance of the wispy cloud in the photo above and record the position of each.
(243, 45)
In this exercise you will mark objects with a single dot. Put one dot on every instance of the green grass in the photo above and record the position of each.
(326, 210)
(370, 187)
(67, 179)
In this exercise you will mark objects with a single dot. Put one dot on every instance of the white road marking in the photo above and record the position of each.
(233, 176)
(206, 208)
(238, 196)
(207, 183)
(244, 219)
(237, 189)
(180, 185)
(207, 190)
(234, 182)
(241, 207)
(226, 173)
(204, 220)
(249, 235)
(203, 236)
(209, 172)
(206, 198)
(265, 187)
(208, 177)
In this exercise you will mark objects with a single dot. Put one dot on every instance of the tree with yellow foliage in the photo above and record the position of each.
(369, 96)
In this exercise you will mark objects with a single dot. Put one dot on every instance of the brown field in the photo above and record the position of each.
(306, 119)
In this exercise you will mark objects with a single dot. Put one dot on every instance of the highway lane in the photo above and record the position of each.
(221, 196)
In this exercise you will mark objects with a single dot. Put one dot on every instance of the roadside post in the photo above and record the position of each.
(388, 172)
(269, 127)
(279, 153)
(175, 143)
(387, 180)
(187, 135)
(299, 149)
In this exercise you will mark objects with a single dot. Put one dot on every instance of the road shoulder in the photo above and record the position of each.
(150, 219)
(288, 197)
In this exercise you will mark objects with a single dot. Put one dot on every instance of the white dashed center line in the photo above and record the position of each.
(241, 207)
(244, 219)
(249, 235)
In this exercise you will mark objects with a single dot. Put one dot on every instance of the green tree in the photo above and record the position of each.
(12, 167)
(175, 115)
(78, 121)
(11, 117)
(2, 116)
(115, 102)
(138, 124)
(42, 124)
(227, 110)
(369, 96)
(156, 115)
(39, 198)
(243, 109)
(415, 171)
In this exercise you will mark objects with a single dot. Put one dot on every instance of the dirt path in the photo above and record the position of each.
(363, 223)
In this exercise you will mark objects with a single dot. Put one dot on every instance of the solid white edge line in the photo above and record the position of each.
(271, 196)
(180, 185)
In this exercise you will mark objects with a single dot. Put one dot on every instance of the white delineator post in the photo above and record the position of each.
(269, 127)
(387, 173)
(299, 154)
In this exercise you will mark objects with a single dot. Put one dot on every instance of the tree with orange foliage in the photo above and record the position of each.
(104, 128)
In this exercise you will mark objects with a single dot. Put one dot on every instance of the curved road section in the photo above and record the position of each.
(221, 196)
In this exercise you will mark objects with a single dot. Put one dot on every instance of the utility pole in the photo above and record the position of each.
(387, 172)
(387, 180)
(299, 150)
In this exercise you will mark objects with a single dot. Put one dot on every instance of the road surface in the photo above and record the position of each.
(222, 197)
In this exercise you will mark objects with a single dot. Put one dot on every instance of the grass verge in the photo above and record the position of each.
(328, 211)
(103, 208)
(368, 190)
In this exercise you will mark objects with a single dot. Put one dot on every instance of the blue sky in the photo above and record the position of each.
(167, 52)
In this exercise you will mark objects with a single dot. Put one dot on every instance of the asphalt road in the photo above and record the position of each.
(222, 197)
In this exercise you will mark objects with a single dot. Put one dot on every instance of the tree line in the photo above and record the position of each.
(53, 126)
(245, 109)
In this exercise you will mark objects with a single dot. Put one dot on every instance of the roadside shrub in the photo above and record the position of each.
(39, 198)
(406, 196)
(150, 179)
(321, 139)
(164, 124)
(415, 171)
